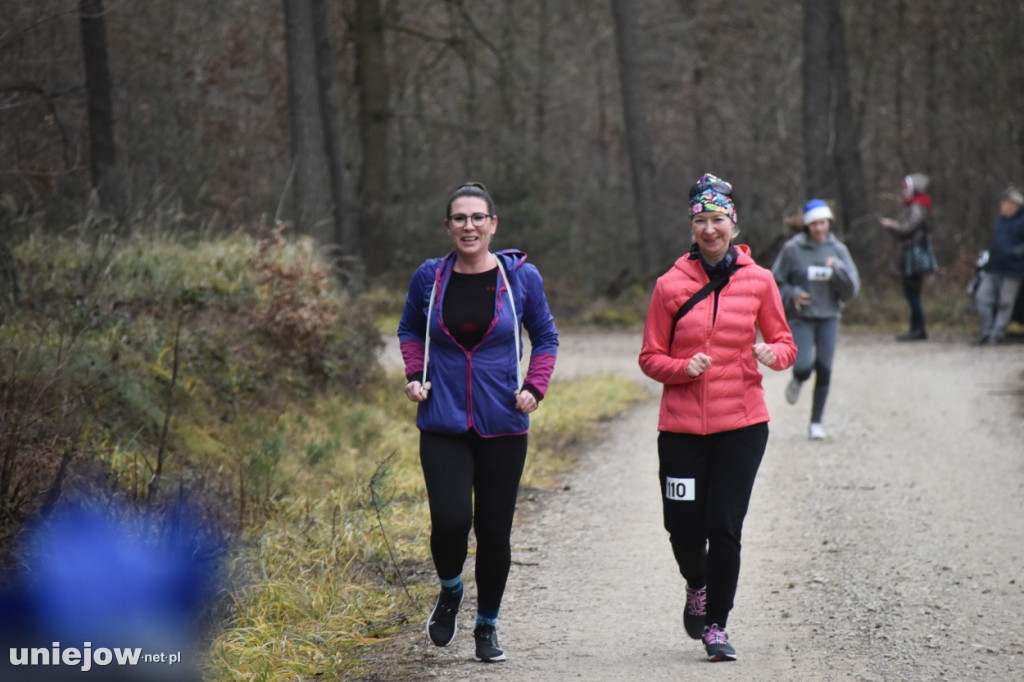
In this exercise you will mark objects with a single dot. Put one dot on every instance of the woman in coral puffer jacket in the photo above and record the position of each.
(713, 425)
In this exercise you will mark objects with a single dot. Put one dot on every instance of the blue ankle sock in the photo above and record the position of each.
(452, 585)
(487, 617)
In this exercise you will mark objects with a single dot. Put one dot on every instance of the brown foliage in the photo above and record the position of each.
(297, 312)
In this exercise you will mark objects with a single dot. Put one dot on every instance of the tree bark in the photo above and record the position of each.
(99, 96)
(344, 233)
(832, 160)
(540, 97)
(311, 185)
(10, 292)
(373, 81)
(638, 143)
(847, 160)
(819, 144)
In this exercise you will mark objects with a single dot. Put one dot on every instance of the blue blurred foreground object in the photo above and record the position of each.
(114, 596)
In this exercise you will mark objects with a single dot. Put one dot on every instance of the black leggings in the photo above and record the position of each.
(455, 466)
(706, 482)
(912, 286)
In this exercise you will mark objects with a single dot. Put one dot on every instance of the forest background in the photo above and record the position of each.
(588, 121)
(209, 213)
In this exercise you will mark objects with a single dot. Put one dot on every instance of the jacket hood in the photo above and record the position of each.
(510, 259)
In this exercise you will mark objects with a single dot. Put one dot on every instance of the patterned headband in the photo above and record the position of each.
(711, 193)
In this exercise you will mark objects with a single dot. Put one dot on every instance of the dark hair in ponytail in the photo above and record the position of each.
(471, 189)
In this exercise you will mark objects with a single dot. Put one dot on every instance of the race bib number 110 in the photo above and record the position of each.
(682, 489)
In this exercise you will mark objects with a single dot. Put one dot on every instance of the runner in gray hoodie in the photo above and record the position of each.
(816, 276)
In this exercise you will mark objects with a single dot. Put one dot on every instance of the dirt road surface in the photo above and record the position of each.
(893, 550)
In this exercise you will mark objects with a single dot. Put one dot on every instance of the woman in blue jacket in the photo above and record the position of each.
(461, 343)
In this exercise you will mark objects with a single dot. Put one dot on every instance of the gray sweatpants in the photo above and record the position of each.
(994, 300)
(815, 347)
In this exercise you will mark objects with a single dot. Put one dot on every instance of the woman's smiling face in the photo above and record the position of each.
(470, 240)
(713, 232)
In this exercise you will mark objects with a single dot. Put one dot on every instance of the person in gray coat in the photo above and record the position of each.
(913, 226)
(816, 277)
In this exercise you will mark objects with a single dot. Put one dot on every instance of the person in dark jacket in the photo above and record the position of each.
(912, 226)
(1002, 275)
(461, 343)
(816, 277)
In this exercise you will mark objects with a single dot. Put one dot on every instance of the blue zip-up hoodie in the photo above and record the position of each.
(476, 389)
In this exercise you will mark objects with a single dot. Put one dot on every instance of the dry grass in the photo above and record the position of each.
(325, 576)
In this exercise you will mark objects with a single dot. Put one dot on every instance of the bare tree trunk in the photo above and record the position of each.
(312, 189)
(901, 29)
(604, 87)
(99, 95)
(847, 159)
(637, 136)
(832, 161)
(931, 96)
(344, 233)
(818, 119)
(512, 176)
(10, 292)
(373, 81)
(540, 102)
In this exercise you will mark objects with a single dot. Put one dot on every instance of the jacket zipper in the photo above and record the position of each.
(469, 390)
(469, 356)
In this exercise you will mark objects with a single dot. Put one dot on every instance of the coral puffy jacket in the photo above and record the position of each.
(729, 394)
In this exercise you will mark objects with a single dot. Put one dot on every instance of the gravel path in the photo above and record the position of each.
(894, 550)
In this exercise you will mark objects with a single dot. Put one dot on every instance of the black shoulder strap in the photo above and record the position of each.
(716, 284)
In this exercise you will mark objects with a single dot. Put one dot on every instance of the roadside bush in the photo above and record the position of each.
(147, 367)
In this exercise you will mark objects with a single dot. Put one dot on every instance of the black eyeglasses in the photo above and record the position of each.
(478, 219)
(720, 187)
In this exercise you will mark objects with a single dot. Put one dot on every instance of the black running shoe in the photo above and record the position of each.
(443, 622)
(716, 644)
(913, 335)
(693, 616)
(487, 649)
